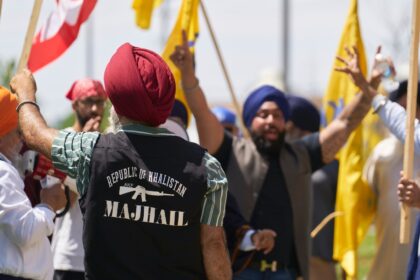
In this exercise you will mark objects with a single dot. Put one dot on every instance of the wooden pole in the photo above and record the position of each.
(1, 5)
(411, 112)
(23, 61)
(225, 72)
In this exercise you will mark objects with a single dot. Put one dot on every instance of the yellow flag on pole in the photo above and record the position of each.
(187, 20)
(144, 10)
(354, 197)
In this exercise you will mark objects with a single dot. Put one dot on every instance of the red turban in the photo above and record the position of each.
(86, 88)
(8, 114)
(140, 85)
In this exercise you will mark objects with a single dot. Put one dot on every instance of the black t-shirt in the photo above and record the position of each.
(273, 209)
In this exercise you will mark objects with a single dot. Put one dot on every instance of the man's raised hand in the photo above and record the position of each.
(352, 68)
(182, 57)
(23, 85)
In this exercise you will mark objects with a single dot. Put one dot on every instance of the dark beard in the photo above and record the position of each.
(267, 147)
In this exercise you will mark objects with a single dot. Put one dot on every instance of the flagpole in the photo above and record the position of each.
(1, 5)
(286, 39)
(29, 35)
(89, 55)
(411, 112)
(225, 72)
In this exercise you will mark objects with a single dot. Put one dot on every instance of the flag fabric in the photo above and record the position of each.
(144, 11)
(187, 20)
(59, 32)
(354, 197)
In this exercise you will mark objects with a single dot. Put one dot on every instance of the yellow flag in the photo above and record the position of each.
(144, 10)
(354, 197)
(187, 20)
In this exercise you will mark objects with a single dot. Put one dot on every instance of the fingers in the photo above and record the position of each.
(391, 66)
(356, 51)
(264, 240)
(408, 192)
(342, 69)
(184, 39)
(92, 124)
(348, 52)
(342, 60)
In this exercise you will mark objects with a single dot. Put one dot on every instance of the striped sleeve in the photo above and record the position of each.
(214, 204)
(71, 153)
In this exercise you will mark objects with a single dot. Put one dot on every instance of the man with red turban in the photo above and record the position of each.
(24, 230)
(153, 203)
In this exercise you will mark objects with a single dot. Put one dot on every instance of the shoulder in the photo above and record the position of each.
(7, 170)
(386, 150)
(243, 146)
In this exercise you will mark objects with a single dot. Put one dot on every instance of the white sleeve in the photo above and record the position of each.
(21, 223)
(247, 244)
(394, 118)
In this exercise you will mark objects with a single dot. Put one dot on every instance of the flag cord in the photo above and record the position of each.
(324, 222)
(23, 61)
(225, 72)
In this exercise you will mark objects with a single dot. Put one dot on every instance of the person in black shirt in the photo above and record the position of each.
(269, 177)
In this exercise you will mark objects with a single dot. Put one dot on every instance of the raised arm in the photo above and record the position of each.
(334, 136)
(38, 136)
(210, 131)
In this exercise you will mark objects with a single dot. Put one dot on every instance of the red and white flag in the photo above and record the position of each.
(59, 32)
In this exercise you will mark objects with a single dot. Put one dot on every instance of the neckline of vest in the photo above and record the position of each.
(146, 130)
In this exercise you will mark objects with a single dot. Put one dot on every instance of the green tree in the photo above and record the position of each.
(7, 70)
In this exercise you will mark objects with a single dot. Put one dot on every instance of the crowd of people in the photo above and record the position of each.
(143, 202)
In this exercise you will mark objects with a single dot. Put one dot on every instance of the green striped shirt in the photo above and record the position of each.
(71, 152)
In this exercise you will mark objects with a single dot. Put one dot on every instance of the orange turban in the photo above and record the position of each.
(8, 114)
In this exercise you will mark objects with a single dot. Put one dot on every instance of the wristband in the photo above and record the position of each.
(26, 102)
(192, 89)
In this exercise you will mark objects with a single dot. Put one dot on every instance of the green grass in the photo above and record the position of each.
(366, 252)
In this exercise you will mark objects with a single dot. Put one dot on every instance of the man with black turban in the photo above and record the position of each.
(153, 203)
(270, 178)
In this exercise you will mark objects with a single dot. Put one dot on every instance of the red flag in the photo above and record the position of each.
(59, 32)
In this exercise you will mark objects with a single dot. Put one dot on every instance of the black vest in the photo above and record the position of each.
(142, 208)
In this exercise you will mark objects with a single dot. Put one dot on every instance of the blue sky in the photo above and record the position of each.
(249, 33)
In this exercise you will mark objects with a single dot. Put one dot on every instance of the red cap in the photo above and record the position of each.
(86, 88)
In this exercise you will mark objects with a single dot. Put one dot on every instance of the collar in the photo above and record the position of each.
(146, 130)
(4, 158)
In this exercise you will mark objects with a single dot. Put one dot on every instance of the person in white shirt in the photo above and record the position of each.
(88, 100)
(24, 231)
(382, 171)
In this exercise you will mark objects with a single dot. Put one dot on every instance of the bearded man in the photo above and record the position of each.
(88, 102)
(270, 178)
